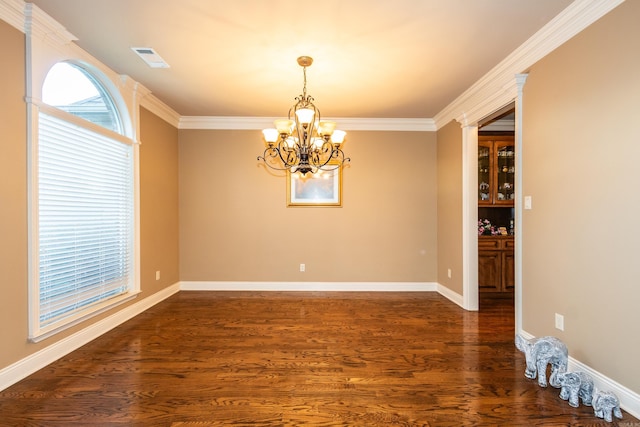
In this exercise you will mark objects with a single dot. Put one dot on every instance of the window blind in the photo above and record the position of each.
(85, 219)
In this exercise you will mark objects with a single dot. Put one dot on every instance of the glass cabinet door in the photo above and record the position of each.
(484, 174)
(505, 172)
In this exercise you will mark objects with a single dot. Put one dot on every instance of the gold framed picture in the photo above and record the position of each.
(323, 188)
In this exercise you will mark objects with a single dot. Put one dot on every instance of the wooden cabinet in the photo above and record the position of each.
(496, 271)
(496, 170)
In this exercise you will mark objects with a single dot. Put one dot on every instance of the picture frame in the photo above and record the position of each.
(323, 188)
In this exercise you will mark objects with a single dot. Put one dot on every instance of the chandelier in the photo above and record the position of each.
(303, 142)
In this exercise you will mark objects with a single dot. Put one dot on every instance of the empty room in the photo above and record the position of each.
(357, 213)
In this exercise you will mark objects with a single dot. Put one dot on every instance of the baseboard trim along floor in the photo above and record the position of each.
(629, 400)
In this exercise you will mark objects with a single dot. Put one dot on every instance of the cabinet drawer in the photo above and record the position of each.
(509, 244)
(488, 244)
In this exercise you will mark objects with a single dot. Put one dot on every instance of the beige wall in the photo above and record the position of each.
(159, 208)
(13, 195)
(158, 203)
(235, 225)
(581, 240)
(450, 206)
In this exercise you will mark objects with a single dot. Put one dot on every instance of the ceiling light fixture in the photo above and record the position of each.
(304, 142)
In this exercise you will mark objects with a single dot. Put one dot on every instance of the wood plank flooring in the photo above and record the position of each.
(297, 359)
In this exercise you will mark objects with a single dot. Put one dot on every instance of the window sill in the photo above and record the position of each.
(92, 311)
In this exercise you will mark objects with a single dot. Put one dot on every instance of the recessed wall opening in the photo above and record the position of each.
(496, 207)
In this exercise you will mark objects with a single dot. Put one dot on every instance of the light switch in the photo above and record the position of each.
(527, 202)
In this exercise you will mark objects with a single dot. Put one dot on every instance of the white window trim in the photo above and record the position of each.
(37, 332)
(42, 52)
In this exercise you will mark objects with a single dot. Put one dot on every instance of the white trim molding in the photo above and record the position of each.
(452, 296)
(324, 287)
(345, 123)
(160, 109)
(310, 286)
(470, 292)
(521, 79)
(12, 12)
(225, 123)
(629, 399)
(498, 87)
(387, 124)
(494, 90)
(43, 27)
(36, 361)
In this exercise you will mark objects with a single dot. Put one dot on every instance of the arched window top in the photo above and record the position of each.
(73, 89)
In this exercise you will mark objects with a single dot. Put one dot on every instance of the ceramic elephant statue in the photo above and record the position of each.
(539, 352)
(575, 386)
(606, 403)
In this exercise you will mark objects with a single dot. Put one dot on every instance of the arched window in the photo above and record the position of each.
(72, 89)
(84, 260)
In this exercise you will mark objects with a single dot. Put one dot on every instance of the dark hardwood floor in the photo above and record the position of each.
(306, 359)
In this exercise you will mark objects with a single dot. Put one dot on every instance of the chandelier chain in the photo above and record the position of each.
(304, 87)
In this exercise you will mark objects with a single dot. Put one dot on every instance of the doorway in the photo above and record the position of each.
(496, 209)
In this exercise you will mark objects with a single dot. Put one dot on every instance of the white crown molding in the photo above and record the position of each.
(498, 87)
(500, 126)
(387, 124)
(12, 12)
(43, 27)
(160, 109)
(225, 122)
(493, 91)
(348, 124)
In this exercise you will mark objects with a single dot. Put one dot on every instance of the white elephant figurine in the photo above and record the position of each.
(575, 386)
(606, 403)
(539, 352)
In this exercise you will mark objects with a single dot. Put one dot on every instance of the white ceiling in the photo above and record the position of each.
(372, 58)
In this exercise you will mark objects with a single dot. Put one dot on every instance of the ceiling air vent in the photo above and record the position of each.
(150, 56)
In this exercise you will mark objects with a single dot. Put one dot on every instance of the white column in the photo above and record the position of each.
(520, 81)
(469, 217)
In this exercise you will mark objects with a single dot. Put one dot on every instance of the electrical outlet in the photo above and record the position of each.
(158, 275)
(449, 273)
(302, 267)
(559, 321)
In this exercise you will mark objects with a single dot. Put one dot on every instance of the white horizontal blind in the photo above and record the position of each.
(85, 219)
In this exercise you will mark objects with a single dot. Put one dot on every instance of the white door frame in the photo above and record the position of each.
(470, 293)
(470, 217)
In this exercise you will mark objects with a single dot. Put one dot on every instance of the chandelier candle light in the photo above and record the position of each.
(304, 142)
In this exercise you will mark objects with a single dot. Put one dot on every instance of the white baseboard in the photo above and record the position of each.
(38, 360)
(452, 296)
(629, 400)
(311, 286)
(325, 286)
